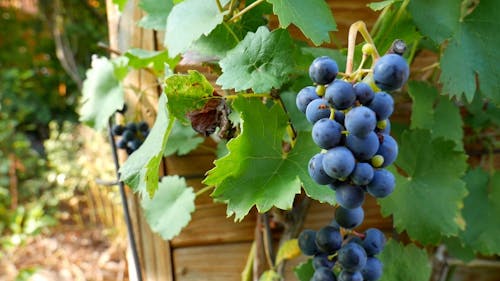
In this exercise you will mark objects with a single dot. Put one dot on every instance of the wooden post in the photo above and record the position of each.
(141, 94)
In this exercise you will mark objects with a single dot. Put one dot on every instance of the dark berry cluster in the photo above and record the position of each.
(351, 126)
(132, 135)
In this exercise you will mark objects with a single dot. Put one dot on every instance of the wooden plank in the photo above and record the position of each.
(207, 263)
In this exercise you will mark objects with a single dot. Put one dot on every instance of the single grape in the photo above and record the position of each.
(377, 161)
(322, 260)
(134, 144)
(117, 130)
(326, 133)
(328, 240)
(317, 109)
(349, 196)
(364, 93)
(390, 72)
(307, 242)
(374, 241)
(323, 70)
(384, 127)
(127, 135)
(304, 97)
(143, 126)
(382, 184)
(340, 94)
(338, 162)
(383, 105)
(352, 257)
(345, 275)
(360, 121)
(362, 174)
(323, 274)
(131, 126)
(316, 171)
(388, 149)
(363, 148)
(349, 218)
(372, 270)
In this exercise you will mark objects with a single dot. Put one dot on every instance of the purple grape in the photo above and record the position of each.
(364, 93)
(363, 148)
(338, 162)
(388, 149)
(323, 70)
(349, 196)
(390, 72)
(382, 184)
(362, 174)
(383, 105)
(326, 133)
(360, 121)
(316, 171)
(340, 94)
(317, 109)
(352, 257)
(304, 97)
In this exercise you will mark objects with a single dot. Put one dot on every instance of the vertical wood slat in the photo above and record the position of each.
(154, 253)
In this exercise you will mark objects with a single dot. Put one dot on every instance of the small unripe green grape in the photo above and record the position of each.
(367, 49)
(320, 90)
(382, 124)
(377, 161)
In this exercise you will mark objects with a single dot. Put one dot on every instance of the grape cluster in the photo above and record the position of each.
(351, 125)
(132, 135)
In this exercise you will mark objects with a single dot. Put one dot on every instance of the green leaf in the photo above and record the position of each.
(481, 211)
(304, 271)
(289, 250)
(456, 248)
(260, 62)
(120, 3)
(187, 93)
(217, 43)
(140, 171)
(482, 114)
(429, 192)
(438, 22)
(471, 55)
(312, 17)
(157, 13)
(102, 94)
(257, 171)
(404, 263)
(170, 209)
(270, 275)
(140, 58)
(182, 140)
(377, 6)
(300, 123)
(188, 21)
(435, 113)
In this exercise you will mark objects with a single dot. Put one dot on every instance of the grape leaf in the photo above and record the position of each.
(260, 62)
(140, 171)
(157, 13)
(471, 55)
(404, 263)
(435, 113)
(438, 22)
(288, 250)
(377, 6)
(429, 192)
(140, 58)
(481, 211)
(170, 208)
(257, 171)
(182, 140)
(186, 93)
(189, 20)
(456, 248)
(304, 271)
(102, 92)
(299, 121)
(312, 17)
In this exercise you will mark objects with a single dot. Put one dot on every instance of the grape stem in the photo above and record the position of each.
(356, 27)
(247, 8)
(219, 5)
(204, 190)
